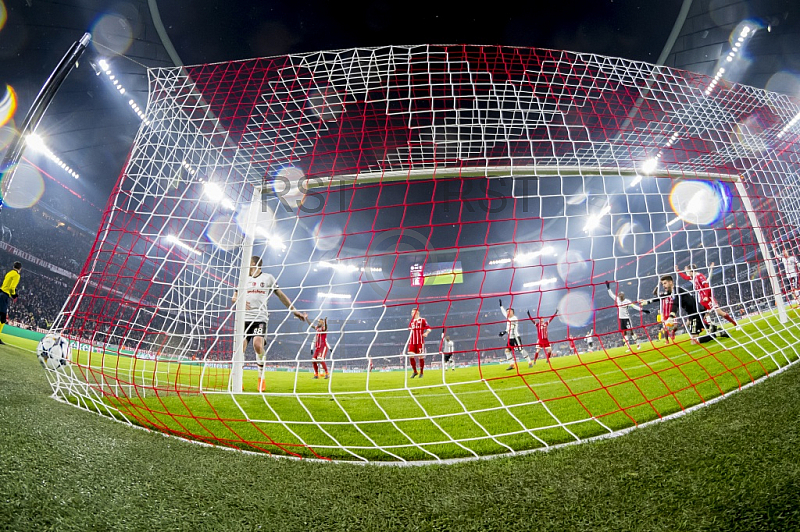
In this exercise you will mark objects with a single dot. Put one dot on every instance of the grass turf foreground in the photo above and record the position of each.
(591, 394)
(731, 466)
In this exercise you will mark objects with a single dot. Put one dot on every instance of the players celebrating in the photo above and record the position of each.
(624, 316)
(259, 286)
(590, 341)
(514, 342)
(416, 342)
(542, 324)
(321, 348)
(703, 290)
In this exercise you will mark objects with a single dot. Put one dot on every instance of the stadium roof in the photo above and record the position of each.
(91, 124)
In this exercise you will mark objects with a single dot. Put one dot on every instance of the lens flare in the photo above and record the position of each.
(575, 309)
(622, 234)
(3, 14)
(326, 104)
(577, 198)
(25, 189)
(112, 32)
(8, 133)
(785, 82)
(572, 267)
(262, 219)
(749, 135)
(697, 202)
(288, 186)
(327, 236)
(223, 232)
(8, 105)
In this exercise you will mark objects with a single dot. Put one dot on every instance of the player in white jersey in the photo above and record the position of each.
(259, 286)
(624, 316)
(790, 270)
(514, 340)
(590, 341)
(448, 346)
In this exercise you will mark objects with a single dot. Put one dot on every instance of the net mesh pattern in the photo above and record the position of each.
(441, 178)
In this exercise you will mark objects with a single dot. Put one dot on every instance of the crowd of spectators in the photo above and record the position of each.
(40, 299)
(44, 237)
(42, 292)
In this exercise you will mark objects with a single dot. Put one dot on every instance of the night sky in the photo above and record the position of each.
(238, 29)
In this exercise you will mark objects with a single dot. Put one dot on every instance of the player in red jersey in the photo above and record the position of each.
(703, 292)
(542, 324)
(416, 342)
(666, 310)
(321, 348)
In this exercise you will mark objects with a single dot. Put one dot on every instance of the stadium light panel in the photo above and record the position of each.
(673, 221)
(118, 86)
(216, 194)
(594, 220)
(339, 267)
(789, 125)
(172, 239)
(333, 295)
(37, 143)
(528, 255)
(273, 241)
(542, 282)
(736, 49)
(649, 166)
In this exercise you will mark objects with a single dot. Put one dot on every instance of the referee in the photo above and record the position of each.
(8, 290)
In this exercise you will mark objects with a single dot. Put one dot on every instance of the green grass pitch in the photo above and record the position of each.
(448, 415)
(732, 466)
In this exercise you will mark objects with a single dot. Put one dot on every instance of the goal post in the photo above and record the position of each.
(454, 181)
(766, 252)
(237, 359)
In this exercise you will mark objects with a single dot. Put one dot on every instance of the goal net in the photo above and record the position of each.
(577, 190)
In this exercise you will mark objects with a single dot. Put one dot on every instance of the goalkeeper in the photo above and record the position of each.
(679, 298)
(667, 302)
(8, 291)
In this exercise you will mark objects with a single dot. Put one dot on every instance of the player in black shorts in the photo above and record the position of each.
(253, 329)
(448, 346)
(683, 299)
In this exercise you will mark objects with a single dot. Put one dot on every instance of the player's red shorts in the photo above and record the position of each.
(415, 348)
(709, 303)
(320, 352)
(544, 344)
